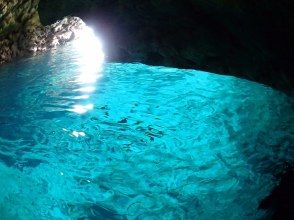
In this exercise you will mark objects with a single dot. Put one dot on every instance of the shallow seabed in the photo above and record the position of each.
(136, 142)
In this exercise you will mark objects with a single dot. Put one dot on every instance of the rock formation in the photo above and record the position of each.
(51, 36)
(17, 18)
(22, 34)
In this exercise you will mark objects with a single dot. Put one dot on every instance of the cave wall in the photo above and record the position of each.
(22, 34)
(18, 18)
(251, 39)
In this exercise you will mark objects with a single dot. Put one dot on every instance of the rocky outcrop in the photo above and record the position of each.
(251, 39)
(17, 18)
(51, 36)
(18, 15)
(22, 34)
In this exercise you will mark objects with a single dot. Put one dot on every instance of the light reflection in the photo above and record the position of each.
(82, 97)
(86, 89)
(81, 109)
(75, 133)
(91, 58)
(78, 134)
(84, 77)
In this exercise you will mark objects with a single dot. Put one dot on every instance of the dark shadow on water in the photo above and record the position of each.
(12, 162)
(100, 212)
(280, 203)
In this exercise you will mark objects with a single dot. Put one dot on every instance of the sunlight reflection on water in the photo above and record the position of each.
(90, 64)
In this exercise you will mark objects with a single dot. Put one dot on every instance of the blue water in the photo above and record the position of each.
(133, 141)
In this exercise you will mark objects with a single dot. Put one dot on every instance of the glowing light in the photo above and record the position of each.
(84, 78)
(90, 48)
(91, 58)
(81, 109)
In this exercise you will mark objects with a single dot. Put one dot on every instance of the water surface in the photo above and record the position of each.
(132, 141)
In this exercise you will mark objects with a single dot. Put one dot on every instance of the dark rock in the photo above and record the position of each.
(21, 32)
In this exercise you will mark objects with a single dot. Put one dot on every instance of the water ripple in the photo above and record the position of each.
(140, 142)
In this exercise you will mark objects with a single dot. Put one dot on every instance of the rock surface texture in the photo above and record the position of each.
(251, 39)
(21, 33)
(17, 19)
(51, 36)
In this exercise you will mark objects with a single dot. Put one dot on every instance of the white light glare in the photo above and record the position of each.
(81, 109)
(78, 134)
(86, 89)
(92, 56)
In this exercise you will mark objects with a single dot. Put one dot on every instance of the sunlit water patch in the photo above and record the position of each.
(131, 141)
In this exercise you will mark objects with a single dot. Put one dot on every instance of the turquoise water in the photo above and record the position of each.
(133, 141)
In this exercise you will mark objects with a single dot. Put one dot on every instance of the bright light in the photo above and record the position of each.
(78, 134)
(86, 89)
(91, 58)
(91, 54)
(81, 109)
(87, 77)
(82, 97)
